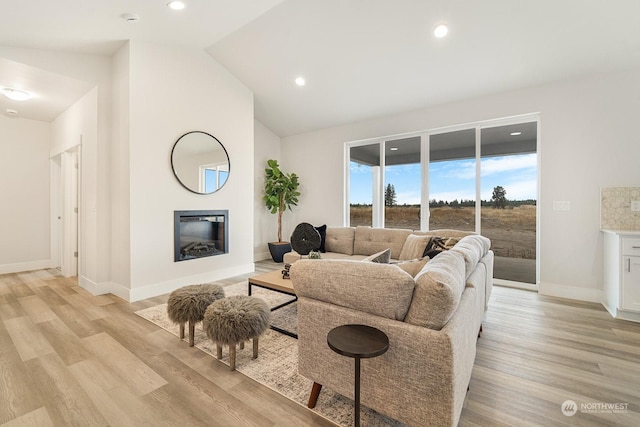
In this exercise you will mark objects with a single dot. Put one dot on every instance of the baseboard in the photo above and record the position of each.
(516, 285)
(161, 288)
(570, 292)
(261, 255)
(628, 315)
(26, 266)
(93, 287)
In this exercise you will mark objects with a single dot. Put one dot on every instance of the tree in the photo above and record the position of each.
(499, 198)
(390, 195)
(280, 191)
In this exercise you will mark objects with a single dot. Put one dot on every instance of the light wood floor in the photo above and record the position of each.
(71, 359)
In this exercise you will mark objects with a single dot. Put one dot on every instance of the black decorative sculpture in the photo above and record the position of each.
(305, 238)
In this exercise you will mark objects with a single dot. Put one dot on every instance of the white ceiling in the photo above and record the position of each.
(361, 58)
(96, 27)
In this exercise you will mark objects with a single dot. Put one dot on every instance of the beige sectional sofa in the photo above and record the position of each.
(432, 320)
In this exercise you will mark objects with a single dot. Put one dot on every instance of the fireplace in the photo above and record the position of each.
(199, 234)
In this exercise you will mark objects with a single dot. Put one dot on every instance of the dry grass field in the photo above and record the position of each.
(512, 230)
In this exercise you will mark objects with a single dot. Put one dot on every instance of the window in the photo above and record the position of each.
(480, 178)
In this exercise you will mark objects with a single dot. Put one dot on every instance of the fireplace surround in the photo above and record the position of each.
(201, 233)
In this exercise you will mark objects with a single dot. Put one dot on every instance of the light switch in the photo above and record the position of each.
(635, 206)
(561, 205)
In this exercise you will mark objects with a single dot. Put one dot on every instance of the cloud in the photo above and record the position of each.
(508, 164)
(408, 197)
(466, 170)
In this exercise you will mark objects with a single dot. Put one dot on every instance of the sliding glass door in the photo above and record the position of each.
(402, 183)
(452, 180)
(509, 190)
(482, 178)
(364, 182)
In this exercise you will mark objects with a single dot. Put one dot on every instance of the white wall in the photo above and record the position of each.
(267, 146)
(119, 152)
(95, 204)
(589, 139)
(24, 191)
(78, 126)
(173, 91)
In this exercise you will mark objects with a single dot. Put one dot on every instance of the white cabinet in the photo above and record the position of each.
(622, 274)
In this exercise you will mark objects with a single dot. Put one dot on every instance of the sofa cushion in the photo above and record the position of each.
(413, 267)
(380, 289)
(382, 257)
(370, 240)
(413, 247)
(438, 289)
(340, 239)
(472, 248)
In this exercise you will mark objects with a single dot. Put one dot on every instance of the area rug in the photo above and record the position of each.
(277, 364)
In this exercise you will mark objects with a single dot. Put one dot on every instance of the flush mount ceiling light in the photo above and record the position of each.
(440, 31)
(16, 94)
(300, 81)
(130, 17)
(176, 5)
(515, 133)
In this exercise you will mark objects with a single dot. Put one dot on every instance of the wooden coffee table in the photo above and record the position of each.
(273, 281)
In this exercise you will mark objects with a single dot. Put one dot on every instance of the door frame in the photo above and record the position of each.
(66, 205)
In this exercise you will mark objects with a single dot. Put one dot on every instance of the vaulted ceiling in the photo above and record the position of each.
(360, 58)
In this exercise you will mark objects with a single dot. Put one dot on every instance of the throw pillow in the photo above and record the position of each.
(437, 245)
(434, 247)
(322, 230)
(414, 266)
(382, 257)
(413, 247)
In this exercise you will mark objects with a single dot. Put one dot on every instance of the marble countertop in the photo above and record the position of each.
(621, 232)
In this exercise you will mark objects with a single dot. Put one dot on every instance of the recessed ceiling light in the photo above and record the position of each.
(16, 94)
(440, 31)
(393, 149)
(176, 5)
(300, 81)
(11, 113)
(515, 133)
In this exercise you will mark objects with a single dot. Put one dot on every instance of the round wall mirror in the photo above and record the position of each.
(200, 162)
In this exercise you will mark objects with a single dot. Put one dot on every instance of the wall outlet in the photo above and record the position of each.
(635, 206)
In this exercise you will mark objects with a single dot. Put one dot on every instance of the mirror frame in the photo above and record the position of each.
(214, 140)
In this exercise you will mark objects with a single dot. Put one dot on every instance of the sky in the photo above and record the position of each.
(454, 179)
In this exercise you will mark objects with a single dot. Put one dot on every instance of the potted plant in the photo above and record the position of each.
(280, 193)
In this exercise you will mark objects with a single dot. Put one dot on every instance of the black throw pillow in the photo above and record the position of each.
(322, 230)
(434, 247)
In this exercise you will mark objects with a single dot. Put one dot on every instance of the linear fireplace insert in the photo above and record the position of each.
(199, 234)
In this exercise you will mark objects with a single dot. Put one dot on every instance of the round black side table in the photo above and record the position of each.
(359, 342)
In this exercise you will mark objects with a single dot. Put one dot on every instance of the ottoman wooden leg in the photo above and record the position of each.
(255, 348)
(232, 357)
(181, 331)
(218, 351)
(192, 332)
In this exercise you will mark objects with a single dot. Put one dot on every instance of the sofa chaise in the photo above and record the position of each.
(432, 320)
